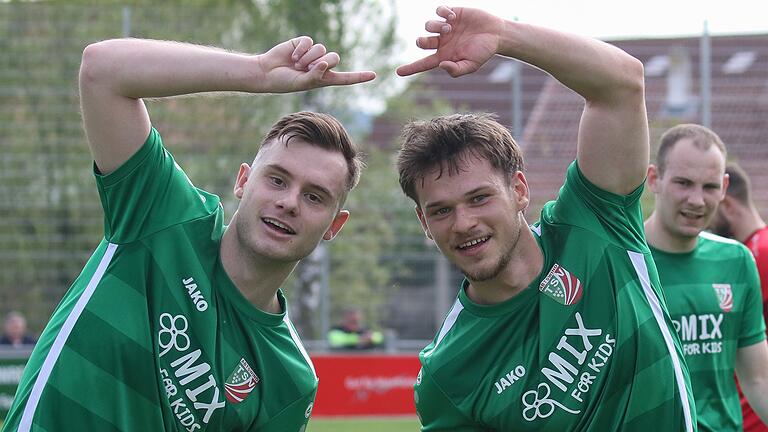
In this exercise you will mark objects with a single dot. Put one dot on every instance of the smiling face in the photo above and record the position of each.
(473, 215)
(688, 191)
(290, 199)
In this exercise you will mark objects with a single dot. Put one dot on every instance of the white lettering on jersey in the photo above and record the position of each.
(575, 349)
(194, 294)
(510, 378)
(698, 331)
(190, 372)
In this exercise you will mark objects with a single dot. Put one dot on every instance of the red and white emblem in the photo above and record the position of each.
(724, 296)
(240, 383)
(562, 286)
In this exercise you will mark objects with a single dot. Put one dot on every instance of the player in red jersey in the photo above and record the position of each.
(737, 217)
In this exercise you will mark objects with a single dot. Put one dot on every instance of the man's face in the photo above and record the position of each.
(474, 216)
(290, 199)
(688, 192)
(15, 327)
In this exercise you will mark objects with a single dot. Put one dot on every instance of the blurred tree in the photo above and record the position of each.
(51, 218)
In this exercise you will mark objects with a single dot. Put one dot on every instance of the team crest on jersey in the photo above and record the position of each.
(240, 383)
(724, 295)
(561, 286)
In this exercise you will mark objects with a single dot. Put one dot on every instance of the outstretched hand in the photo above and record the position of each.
(300, 64)
(464, 39)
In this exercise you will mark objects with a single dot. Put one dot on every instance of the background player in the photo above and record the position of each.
(711, 283)
(737, 217)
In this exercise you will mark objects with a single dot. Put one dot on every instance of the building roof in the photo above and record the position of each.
(551, 112)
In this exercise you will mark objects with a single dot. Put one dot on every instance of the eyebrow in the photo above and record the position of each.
(467, 194)
(285, 172)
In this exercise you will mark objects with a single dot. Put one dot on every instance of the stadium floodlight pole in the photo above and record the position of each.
(705, 65)
(126, 21)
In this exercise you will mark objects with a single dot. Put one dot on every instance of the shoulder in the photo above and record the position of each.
(723, 248)
(709, 241)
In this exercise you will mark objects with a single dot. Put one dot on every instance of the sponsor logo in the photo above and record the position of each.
(700, 334)
(573, 369)
(724, 295)
(308, 411)
(562, 286)
(240, 383)
(194, 294)
(510, 378)
(187, 375)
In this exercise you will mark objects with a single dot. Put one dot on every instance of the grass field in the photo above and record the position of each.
(369, 424)
(357, 425)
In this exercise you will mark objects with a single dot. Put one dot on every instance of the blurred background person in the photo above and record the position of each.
(737, 217)
(350, 333)
(15, 331)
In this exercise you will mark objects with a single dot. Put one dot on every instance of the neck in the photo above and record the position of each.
(525, 265)
(256, 276)
(749, 222)
(660, 238)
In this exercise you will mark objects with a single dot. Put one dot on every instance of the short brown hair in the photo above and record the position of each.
(445, 142)
(702, 138)
(324, 131)
(739, 185)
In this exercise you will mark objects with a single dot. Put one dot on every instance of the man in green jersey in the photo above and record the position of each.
(177, 322)
(560, 326)
(711, 283)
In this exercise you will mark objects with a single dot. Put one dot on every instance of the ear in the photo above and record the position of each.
(420, 215)
(724, 189)
(652, 178)
(338, 222)
(242, 178)
(522, 193)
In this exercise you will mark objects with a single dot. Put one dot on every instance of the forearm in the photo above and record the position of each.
(137, 68)
(756, 392)
(596, 70)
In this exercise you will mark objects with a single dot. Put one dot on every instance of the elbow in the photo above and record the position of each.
(633, 78)
(94, 65)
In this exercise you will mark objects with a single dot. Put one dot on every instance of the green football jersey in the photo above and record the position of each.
(153, 335)
(714, 299)
(588, 346)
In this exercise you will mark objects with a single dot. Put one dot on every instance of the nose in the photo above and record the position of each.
(464, 220)
(289, 202)
(696, 197)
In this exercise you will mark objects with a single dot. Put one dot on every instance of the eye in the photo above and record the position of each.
(277, 181)
(442, 211)
(479, 198)
(314, 198)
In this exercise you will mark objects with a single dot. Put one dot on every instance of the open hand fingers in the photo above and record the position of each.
(446, 12)
(420, 65)
(436, 26)
(457, 69)
(312, 55)
(428, 42)
(331, 59)
(347, 78)
(300, 45)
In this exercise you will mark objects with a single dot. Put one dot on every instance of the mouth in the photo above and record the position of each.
(278, 226)
(473, 244)
(691, 215)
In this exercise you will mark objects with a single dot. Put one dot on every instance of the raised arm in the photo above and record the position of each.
(613, 148)
(116, 74)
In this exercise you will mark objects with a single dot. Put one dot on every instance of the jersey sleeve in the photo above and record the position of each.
(294, 417)
(436, 412)
(616, 218)
(149, 192)
(752, 325)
